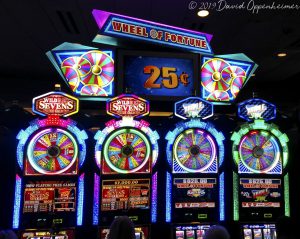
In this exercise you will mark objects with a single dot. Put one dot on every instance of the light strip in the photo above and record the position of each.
(287, 211)
(154, 199)
(222, 196)
(168, 197)
(236, 214)
(80, 199)
(96, 199)
(17, 203)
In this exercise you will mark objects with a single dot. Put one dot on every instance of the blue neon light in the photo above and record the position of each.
(17, 203)
(96, 199)
(222, 196)
(80, 201)
(154, 199)
(168, 197)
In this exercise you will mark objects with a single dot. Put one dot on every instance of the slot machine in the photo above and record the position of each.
(49, 189)
(125, 153)
(195, 180)
(260, 178)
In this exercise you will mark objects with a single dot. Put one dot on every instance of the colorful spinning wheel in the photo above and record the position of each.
(72, 76)
(259, 151)
(92, 90)
(102, 68)
(194, 150)
(237, 76)
(218, 95)
(126, 150)
(52, 151)
(81, 65)
(211, 75)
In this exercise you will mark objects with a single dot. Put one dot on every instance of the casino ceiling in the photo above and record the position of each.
(30, 28)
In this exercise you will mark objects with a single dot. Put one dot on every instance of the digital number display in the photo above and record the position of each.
(159, 76)
(125, 194)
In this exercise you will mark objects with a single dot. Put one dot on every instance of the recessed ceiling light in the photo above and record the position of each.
(281, 54)
(203, 13)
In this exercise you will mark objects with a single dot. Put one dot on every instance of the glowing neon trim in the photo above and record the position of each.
(17, 203)
(96, 199)
(154, 199)
(32, 143)
(80, 201)
(287, 211)
(112, 125)
(222, 196)
(260, 125)
(168, 197)
(196, 123)
(124, 131)
(24, 135)
(236, 210)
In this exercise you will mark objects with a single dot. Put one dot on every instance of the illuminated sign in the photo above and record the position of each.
(55, 103)
(115, 25)
(193, 107)
(256, 109)
(223, 77)
(127, 106)
(159, 74)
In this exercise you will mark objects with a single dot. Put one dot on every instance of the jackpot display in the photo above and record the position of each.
(50, 153)
(261, 180)
(195, 183)
(126, 152)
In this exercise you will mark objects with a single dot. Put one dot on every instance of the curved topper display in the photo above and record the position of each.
(127, 145)
(259, 147)
(194, 145)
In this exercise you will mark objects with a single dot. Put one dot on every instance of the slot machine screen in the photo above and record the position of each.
(140, 233)
(195, 192)
(191, 232)
(260, 193)
(125, 194)
(49, 196)
(36, 234)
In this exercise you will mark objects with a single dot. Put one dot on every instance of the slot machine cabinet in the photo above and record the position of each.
(260, 179)
(49, 190)
(195, 180)
(125, 153)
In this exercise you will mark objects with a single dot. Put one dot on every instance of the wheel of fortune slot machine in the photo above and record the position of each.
(125, 152)
(195, 180)
(49, 190)
(260, 179)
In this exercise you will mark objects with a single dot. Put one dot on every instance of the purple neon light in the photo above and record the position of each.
(154, 198)
(96, 199)
(101, 17)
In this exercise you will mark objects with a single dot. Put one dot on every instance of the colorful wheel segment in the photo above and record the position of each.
(102, 68)
(92, 90)
(81, 65)
(126, 150)
(194, 150)
(211, 75)
(72, 77)
(259, 151)
(52, 151)
(237, 77)
(218, 95)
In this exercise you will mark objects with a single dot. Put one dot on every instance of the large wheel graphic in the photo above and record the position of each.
(194, 150)
(126, 150)
(218, 95)
(211, 75)
(259, 151)
(93, 90)
(237, 76)
(52, 151)
(102, 68)
(81, 65)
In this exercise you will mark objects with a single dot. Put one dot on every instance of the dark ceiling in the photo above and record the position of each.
(30, 28)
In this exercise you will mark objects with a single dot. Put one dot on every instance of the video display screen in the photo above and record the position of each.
(264, 231)
(49, 196)
(62, 234)
(159, 74)
(125, 194)
(140, 233)
(260, 193)
(195, 192)
(191, 232)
